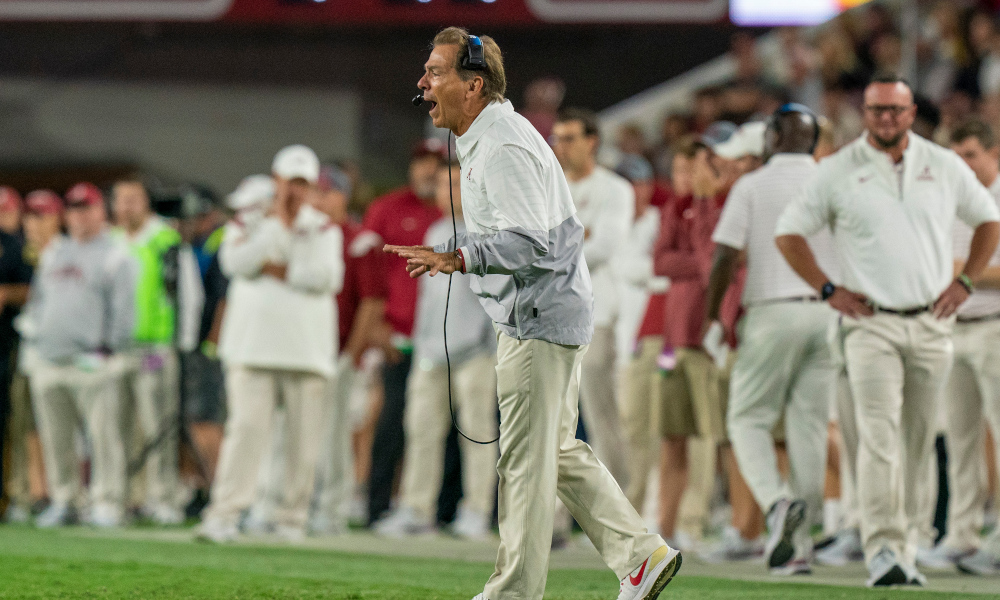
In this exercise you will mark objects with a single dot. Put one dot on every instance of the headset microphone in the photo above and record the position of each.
(418, 100)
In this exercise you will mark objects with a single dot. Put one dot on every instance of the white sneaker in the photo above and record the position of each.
(940, 556)
(846, 548)
(164, 514)
(732, 547)
(402, 522)
(216, 531)
(16, 514)
(56, 515)
(885, 569)
(647, 581)
(980, 563)
(471, 525)
(290, 533)
(105, 516)
(479, 597)
(784, 517)
(256, 523)
(322, 525)
(914, 577)
(796, 566)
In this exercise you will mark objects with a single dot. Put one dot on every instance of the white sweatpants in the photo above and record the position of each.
(66, 398)
(540, 458)
(897, 367)
(973, 393)
(784, 364)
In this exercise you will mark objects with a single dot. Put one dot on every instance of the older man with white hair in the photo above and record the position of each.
(277, 341)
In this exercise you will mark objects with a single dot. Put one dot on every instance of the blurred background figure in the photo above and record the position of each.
(10, 211)
(168, 304)
(278, 343)
(80, 320)
(25, 485)
(542, 99)
(429, 401)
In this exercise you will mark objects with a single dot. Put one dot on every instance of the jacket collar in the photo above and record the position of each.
(493, 112)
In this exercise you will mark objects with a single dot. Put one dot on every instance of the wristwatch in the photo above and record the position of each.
(827, 290)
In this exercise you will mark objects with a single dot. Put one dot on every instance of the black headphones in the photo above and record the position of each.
(796, 108)
(474, 60)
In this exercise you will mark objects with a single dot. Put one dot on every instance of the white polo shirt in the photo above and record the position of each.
(605, 204)
(893, 234)
(982, 302)
(748, 220)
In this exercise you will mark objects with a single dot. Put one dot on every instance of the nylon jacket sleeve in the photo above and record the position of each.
(244, 253)
(316, 264)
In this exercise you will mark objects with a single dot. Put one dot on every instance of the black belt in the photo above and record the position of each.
(992, 317)
(791, 299)
(906, 312)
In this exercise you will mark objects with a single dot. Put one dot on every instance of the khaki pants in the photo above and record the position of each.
(973, 393)
(151, 399)
(540, 458)
(20, 426)
(784, 365)
(897, 367)
(335, 466)
(599, 407)
(637, 387)
(67, 398)
(252, 396)
(848, 425)
(428, 420)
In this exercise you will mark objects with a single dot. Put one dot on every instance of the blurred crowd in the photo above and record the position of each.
(260, 364)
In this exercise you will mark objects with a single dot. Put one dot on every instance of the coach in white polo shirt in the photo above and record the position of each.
(522, 225)
(891, 198)
(784, 360)
(277, 343)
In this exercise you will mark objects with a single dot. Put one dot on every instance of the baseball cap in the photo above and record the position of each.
(718, 132)
(83, 194)
(747, 141)
(332, 178)
(255, 189)
(635, 168)
(296, 162)
(43, 202)
(429, 147)
(9, 199)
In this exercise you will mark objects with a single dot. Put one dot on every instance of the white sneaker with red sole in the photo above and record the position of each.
(647, 581)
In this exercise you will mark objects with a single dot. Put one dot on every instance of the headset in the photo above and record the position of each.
(795, 108)
(474, 59)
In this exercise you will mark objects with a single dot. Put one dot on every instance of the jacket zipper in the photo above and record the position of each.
(517, 307)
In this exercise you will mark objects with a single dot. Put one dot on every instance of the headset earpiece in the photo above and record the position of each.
(795, 107)
(474, 59)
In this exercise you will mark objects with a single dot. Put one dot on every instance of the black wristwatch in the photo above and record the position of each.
(827, 290)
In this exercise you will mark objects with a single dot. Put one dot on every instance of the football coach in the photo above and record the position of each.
(525, 244)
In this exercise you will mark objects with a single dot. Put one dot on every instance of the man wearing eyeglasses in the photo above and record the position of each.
(891, 198)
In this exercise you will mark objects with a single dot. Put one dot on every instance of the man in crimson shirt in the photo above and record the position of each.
(400, 218)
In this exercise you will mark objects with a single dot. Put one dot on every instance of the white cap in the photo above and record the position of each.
(296, 162)
(253, 190)
(747, 141)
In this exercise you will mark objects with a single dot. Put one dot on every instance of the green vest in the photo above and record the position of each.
(154, 311)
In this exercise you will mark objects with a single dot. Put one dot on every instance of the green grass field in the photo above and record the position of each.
(71, 564)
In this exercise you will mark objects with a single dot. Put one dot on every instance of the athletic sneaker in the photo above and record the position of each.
(940, 556)
(914, 577)
(649, 579)
(164, 514)
(796, 566)
(732, 547)
(290, 533)
(471, 525)
(216, 531)
(402, 522)
(885, 569)
(846, 548)
(16, 514)
(980, 563)
(784, 517)
(56, 515)
(106, 516)
(323, 525)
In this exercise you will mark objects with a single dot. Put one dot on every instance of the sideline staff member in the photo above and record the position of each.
(522, 223)
(891, 197)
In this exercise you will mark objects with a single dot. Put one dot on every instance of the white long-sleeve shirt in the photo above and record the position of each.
(290, 324)
(633, 269)
(893, 230)
(605, 205)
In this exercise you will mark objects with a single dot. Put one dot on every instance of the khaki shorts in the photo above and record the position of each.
(690, 397)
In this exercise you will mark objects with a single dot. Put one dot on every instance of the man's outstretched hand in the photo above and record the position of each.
(423, 259)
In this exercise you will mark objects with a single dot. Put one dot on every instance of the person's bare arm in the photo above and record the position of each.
(724, 265)
(800, 257)
(369, 313)
(14, 294)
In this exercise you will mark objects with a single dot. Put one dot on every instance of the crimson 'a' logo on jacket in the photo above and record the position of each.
(925, 175)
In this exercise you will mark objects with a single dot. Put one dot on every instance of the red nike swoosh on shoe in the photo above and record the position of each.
(637, 579)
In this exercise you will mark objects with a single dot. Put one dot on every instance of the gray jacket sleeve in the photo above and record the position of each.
(122, 271)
